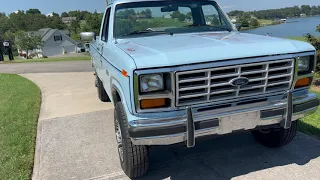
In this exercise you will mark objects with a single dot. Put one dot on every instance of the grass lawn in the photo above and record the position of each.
(19, 110)
(50, 59)
(298, 38)
(311, 124)
(265, 22)
(262, 22)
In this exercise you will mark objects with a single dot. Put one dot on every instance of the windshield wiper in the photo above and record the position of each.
(145, 32)
(205, 25)
(223, 28)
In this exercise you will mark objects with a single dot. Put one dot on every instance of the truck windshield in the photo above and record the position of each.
(150, 18)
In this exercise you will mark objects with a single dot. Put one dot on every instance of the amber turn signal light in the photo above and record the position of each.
(302, 83)
(152, 103)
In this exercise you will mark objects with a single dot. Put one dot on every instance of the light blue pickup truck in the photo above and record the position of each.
(179, 70)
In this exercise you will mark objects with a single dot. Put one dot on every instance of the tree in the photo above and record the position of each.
(126, 14)
(181, 17)
(64, 14)
(318, 28)
(254, 22)
(236, 13)
(93, 23)
(306, 9)
(84, 14)
(189, 15)
(33, 11)
(4, 25)
(10, 36)
(215, 20)
(74, 27)
(244, 20)
(55, 22)
(26, 41)
(175, 14)
(55, 14)
(148, 13)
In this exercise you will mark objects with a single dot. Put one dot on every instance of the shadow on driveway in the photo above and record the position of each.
(238, 156)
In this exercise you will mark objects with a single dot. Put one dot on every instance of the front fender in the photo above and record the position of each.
(125, 101)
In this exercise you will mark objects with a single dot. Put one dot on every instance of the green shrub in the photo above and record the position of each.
(316, 43)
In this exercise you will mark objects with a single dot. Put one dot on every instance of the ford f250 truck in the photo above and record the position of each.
(179, 70)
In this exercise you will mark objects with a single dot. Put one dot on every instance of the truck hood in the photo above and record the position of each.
(180, 49)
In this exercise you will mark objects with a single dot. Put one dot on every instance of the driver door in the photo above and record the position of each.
(105, 55)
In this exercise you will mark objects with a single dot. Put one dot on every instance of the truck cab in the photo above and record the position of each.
(177, 71)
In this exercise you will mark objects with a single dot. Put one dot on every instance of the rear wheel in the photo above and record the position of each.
(134, 159)
(102, 94)
(276, 137)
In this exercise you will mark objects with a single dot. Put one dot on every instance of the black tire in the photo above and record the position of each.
(276, 137)
(102, 94)
(134, 160)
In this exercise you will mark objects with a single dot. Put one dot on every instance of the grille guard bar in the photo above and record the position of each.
(286, 123)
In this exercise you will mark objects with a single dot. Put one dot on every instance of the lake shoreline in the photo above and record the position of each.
(273, 24)
(295, 27)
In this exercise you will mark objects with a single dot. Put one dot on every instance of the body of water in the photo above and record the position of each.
(292, 28)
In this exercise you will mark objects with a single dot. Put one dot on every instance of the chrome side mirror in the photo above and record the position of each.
(87, 36)
(238, 26)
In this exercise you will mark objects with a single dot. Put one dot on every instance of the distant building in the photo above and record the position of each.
(283, 20)
(68, 20)
(55, 42)
(168, 16)
(303, 15)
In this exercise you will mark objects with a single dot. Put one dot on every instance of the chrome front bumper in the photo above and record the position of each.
(193, 122)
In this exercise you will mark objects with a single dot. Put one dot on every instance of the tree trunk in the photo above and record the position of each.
(27, 55)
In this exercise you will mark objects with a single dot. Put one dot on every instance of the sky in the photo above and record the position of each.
(59, 6)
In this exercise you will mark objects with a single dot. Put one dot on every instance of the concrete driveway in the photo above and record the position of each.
(76, 141)
(46, 67)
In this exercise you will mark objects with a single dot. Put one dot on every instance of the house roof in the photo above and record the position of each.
(46, 33)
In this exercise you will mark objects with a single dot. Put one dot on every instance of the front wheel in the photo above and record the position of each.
(276, 137)
(134, 159)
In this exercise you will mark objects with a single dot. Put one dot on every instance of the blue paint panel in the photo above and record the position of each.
(165, 50)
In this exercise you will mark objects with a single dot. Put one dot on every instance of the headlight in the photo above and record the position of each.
(150, 83)
(304, 64)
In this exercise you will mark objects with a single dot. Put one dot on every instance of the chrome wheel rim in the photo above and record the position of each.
(119, 140)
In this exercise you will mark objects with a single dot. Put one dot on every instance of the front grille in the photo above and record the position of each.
(207, 85)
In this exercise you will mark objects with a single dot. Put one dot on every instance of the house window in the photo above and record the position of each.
(57, 38)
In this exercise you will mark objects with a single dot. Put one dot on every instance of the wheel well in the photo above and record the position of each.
(115, 96)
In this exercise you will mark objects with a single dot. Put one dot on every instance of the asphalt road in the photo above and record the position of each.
(75, 140)
(46, 67)
(83, 147)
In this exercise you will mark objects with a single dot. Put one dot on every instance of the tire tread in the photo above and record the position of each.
(276, 138)
(137, 156)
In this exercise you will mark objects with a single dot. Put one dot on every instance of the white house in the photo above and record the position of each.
(168, 16)
(54, 42)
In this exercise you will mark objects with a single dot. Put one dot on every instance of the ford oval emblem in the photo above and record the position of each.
(241, 81)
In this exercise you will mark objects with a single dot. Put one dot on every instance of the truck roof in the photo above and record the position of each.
(128, 1)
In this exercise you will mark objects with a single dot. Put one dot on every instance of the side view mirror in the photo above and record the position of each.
(87, 36)
(169, 9)
(238, 26)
